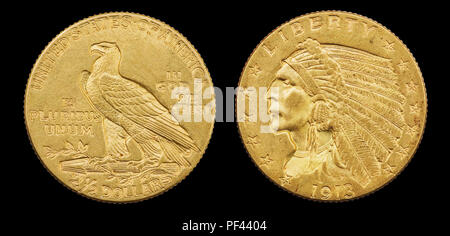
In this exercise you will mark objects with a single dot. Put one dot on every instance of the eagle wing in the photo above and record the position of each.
(138, 105)
(115, 137)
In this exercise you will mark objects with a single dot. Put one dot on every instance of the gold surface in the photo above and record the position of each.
(98, 102)
(352, 106)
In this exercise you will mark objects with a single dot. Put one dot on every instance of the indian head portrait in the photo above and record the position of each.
(340, 114)
(345, 104)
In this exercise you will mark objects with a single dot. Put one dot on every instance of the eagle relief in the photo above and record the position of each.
(129, 114)
(139, 149)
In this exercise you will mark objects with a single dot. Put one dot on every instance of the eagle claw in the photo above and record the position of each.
(98, 162)
(143, 164)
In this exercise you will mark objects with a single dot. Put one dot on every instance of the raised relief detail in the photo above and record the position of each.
(172, 80)
(265, 160)
(389, 46)
(403, 65)
(253, 141)
(130, 114)
(102, 123)
(69, 123)
(254, 70)
(343, 112)
(411, 86)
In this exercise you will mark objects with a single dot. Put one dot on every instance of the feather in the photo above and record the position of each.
(350, 159)
(336, 51)
(357, 147)
(385, 131)
(390, 92)
(131, 110)
(363, 88)
(372, 94)
(115, 137)
(360, 143)
(157, 133)
(138, 105)
(174, 153)
(378, 104)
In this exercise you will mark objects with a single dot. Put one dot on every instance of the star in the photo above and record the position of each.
(255, 70)
(252, 141)
(414, 109)
(403, 65)
(411, 86)
(68, 102)
(410, 132)
(387, 168)
(389, 46)
(285, 180)
(265, 160)
(415, 128)
(403, 151)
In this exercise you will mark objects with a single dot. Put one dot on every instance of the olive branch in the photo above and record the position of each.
(78, 150)
(69, 150)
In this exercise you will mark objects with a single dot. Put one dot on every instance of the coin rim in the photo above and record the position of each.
(182, 37)
(415, 148)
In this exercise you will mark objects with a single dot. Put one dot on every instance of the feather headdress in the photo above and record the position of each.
(363, 96)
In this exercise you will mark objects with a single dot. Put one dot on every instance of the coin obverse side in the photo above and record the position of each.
(351, 106)
(98, 107)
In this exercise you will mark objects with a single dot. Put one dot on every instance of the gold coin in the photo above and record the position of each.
(345, 106)
(99, 102)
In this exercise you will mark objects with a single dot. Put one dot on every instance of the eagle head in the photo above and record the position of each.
(105, 48)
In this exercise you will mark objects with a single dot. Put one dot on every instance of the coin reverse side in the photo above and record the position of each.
(349, 111)
(98, 107)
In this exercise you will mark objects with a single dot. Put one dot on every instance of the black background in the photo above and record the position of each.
(226, 185)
